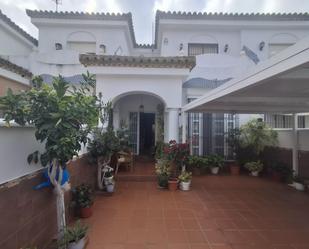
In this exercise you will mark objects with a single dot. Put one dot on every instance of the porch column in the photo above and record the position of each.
(184, 119)
(295, 143)
(173, 125)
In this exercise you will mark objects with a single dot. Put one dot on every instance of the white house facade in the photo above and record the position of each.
(148, 85)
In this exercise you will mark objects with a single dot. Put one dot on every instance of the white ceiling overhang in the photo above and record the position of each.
(278, 85)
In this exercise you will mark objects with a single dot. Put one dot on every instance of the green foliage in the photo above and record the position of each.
(123, 136)
(103, 144)
(163, 167)
(250, 140)
(62, 117)
(73, 234)
(258, 134)
(254, 166)
(215, 160)
(197, 162)
(160, 123)
(82, 196)
(185, 176)
(159, 153)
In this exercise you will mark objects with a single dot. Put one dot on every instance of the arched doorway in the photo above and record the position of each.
(142, 114)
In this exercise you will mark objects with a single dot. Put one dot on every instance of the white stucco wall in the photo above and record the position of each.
(12, 45)
(111, 37)
(16, 144)
(168, 89)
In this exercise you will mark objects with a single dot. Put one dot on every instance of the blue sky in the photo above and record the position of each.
(143, 11)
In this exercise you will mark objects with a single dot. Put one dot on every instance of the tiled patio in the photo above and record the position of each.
(221, 212)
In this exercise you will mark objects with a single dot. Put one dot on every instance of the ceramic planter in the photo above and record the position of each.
(85, 212)
(185, 186)
(299, 186)
(108, 180)
(162, 181)
(110, 188)
(77, 245)
(214, 170)
(235, 169)
(255, 173)
(172, 184)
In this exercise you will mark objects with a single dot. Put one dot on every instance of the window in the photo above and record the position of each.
(206, 48)
(275, 48)
(83, 47)
(279, 121)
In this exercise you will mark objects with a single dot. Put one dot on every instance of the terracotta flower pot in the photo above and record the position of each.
(235, 169)
(172, 184)
(85, 212)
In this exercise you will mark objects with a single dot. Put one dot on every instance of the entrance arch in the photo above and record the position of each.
(140, 113)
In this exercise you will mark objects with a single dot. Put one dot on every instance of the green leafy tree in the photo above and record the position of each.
(62, 116)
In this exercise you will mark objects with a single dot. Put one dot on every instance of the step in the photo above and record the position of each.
(136, 178)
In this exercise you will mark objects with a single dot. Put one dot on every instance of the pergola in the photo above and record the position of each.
(278, 85)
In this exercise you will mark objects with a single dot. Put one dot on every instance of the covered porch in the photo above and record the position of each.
(276, 86)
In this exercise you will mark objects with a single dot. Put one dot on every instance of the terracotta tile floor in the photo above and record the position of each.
(220, 212)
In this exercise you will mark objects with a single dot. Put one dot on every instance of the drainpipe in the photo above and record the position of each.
(184, 118)
(295, 143)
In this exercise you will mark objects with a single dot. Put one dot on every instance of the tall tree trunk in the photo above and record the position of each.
(56, 168)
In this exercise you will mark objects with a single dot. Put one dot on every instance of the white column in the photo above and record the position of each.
(173, 125)
(184, 119)
(295, 143)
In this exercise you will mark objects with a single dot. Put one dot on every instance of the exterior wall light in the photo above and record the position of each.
(103, 48)
(261, 45)
(141, 108)
(180, 46)
(226, 48)
(58, 46)
(165, 41)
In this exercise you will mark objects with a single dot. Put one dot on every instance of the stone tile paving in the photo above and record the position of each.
(220, 212)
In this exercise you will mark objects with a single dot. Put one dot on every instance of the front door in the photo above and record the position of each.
(147, 133)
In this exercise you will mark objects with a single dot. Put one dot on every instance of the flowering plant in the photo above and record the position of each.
(177, 152)
(185, 176)
(163, 167)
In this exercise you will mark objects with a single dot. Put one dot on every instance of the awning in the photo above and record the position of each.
(278, 85)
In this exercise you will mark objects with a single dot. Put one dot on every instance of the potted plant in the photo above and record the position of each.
(215, 162)
(234, 142)
(197, 164)
(163, 172)
(254, 167)
(83, 200)
(177, 154)
(298, 183)
(74, 237)
(110, 186)
(185, 180)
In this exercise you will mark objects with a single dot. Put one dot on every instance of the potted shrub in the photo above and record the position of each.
(163, 172)
(215, 162)
(254, 167)
(83, 200)
(185, 180)
(298, 183)
(74, 237)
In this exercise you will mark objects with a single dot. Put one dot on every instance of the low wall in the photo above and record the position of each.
(286, 155)
(28, 217)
